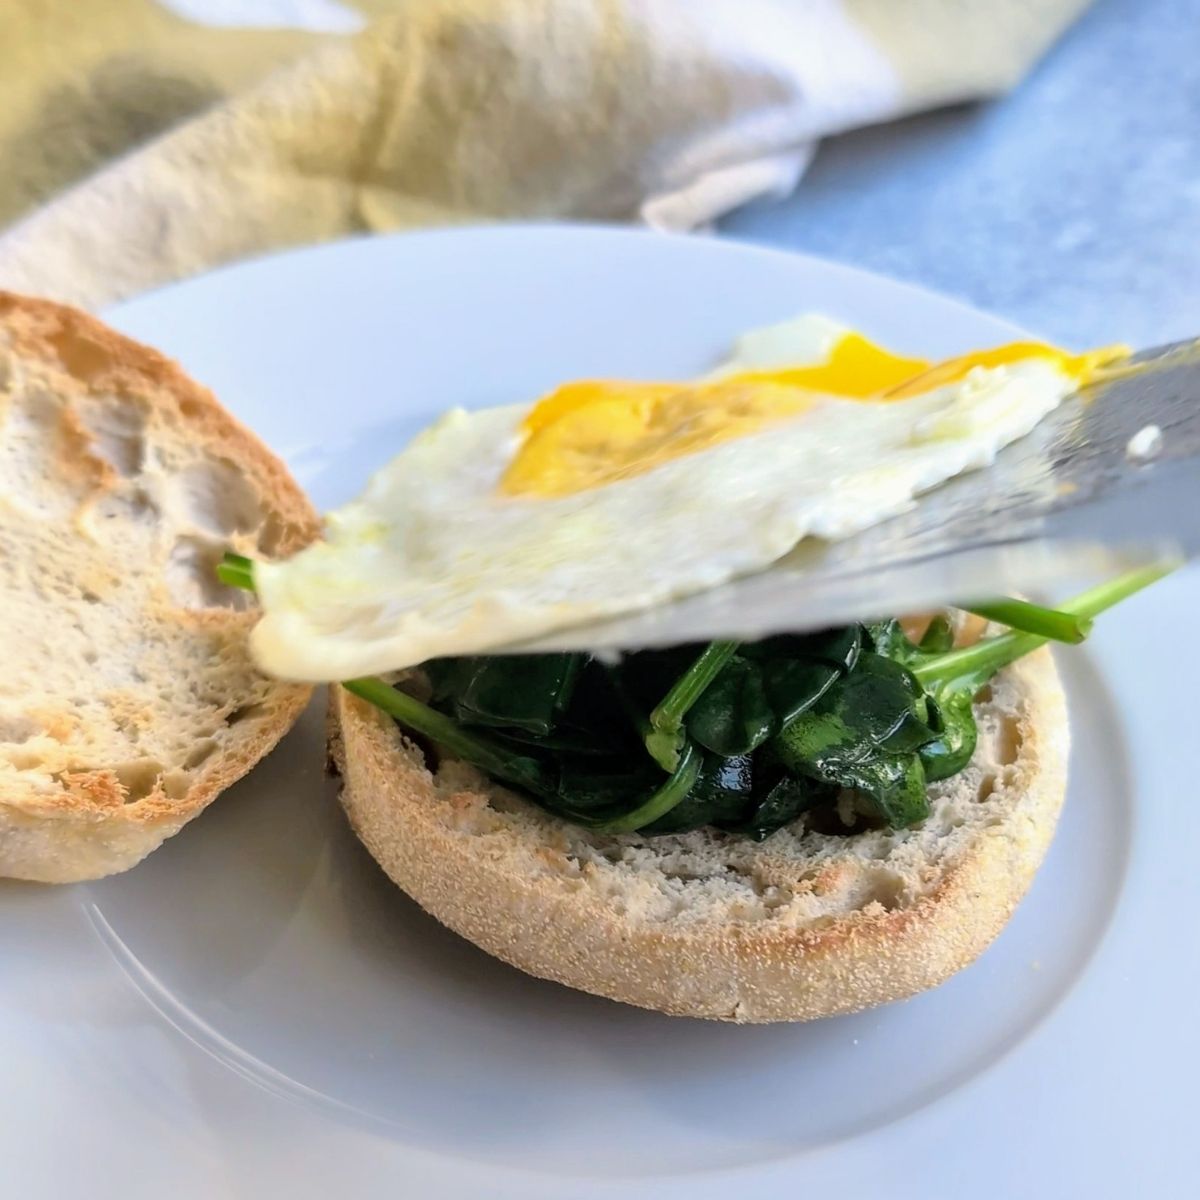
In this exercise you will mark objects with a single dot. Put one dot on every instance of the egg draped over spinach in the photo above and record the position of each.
(743, 737)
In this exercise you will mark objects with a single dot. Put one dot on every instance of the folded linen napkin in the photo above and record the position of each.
(144, 140)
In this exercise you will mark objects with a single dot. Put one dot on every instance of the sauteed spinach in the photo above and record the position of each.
(744, 737)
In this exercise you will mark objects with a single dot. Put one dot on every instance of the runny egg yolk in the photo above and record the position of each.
(594, 432)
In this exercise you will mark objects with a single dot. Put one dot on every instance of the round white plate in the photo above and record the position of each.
(255, 1011)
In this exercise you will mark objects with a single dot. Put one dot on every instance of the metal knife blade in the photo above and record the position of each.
(1068, 500)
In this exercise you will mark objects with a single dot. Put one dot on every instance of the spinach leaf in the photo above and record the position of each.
(448, 677)
(733, 715)
(952, 716)
(863, 733)
(665, 736)
(781, 804)
(563, 741)
(669, 793)
(836, 647)
(758, 692)
(889, 639)
(895, 784)
(521, 691)
(949, 709)
(879, 705)
(649, 675)
(598, 709)
(521, 770)
(793, 685)
(586, 785)
(721, 793)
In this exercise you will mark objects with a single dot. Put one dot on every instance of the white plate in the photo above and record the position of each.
(255, 1011)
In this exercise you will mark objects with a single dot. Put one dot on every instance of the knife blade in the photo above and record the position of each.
(1079, 496)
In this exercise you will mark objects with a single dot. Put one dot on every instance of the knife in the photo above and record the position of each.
(1107, 482)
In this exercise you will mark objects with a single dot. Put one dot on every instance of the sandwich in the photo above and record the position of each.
(780, 829)
(128, 699)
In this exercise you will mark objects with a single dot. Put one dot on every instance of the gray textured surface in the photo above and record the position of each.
(1071, 206)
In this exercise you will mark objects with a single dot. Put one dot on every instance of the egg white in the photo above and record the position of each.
(434, 560)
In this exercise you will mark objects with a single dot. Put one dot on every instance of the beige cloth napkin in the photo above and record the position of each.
(187, 133)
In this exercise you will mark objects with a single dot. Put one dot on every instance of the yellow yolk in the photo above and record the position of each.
(590, 433)
(586, 434)
(1080, 367)
(856, 369)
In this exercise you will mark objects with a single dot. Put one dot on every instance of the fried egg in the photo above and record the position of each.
(611, 496)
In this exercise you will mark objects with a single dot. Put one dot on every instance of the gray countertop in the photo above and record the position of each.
(1071, 206)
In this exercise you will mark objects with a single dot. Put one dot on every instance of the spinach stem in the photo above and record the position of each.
(665, 737)
(409, 711)
(1023, 617)
(673, 791)
(985, 658)
(236, 570)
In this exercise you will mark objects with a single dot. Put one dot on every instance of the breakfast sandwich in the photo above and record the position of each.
(779, 829)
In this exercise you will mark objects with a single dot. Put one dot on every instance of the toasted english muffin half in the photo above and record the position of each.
(705, 924)
(128, 700)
